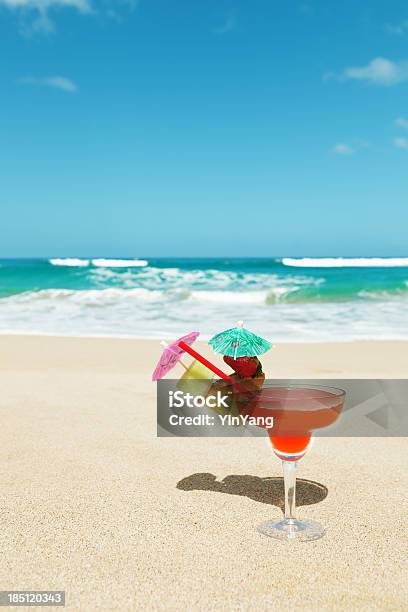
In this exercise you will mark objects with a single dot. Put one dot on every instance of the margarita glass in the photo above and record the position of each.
(298, 410)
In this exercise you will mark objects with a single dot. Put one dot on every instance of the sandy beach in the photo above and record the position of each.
(94, 504)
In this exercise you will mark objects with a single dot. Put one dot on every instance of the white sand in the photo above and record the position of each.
(90, 504)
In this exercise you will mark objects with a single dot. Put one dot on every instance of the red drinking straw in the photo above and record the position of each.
(212, 367)
(203, 360)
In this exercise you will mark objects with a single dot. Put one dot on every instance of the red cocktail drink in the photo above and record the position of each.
(297, 411)
(292, 447)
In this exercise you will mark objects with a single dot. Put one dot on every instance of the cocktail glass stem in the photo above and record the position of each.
(289, 477)
(299, 411)
(289, 527)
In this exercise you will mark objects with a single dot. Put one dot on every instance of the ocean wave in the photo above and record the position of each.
(73, 296)
(204, 280)
(97, 297)
(69, 261)
(294, 295)
(229, 297)
(100, 262)
(267, 297)
(346, 262)
(112, 295)
(119, 263)
(385, 295)
(163, 314)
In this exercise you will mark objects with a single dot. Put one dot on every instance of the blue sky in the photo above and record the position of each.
(203, 127)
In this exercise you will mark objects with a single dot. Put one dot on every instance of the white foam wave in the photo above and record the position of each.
(115, 296)
(346, 262)
(100, 262)
(153, 278)
(69, 261)
(141, 312)
(95, 297)
(119, 263)
(264, 297)
(382, 295)
(230, 297)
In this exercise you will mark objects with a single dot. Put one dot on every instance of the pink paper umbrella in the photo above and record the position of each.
(172, 354)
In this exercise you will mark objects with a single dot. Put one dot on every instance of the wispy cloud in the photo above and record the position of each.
(401, 143)
(34, 16)
(397, 28)
(342, 148)
(55, 82)
(402, 123)
(40, 5)
(230, 23)
(380, 71)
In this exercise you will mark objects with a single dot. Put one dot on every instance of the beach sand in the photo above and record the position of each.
(89, 501)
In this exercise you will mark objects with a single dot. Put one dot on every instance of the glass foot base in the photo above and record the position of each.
(292, 529)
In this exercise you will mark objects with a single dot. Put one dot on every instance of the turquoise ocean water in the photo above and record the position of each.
(282, 299)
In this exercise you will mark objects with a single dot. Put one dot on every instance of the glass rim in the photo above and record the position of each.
(336, 391)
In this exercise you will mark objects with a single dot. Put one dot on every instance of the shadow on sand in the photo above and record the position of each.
(264, 490)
